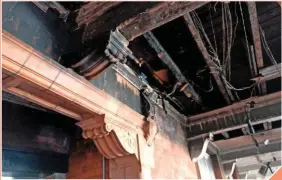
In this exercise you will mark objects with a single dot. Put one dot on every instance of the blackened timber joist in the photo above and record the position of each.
(236, 108)
(256, 38)
(196, 35)
(266, 109)
(143, 17)
(155, 17)
(166, 59)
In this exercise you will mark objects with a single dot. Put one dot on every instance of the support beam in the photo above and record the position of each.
(266, 109)
(166, 59)
(256, 39)
(243, 127)
(269, 73)
(197, 37)
(244, 146)
(236, 108)
(241, 153)
(142, 17)
(92, 10)
(155, 17)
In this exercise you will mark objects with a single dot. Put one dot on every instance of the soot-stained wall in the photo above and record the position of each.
(172, 159)
(28, 129)
(118, 87)
(45, 32)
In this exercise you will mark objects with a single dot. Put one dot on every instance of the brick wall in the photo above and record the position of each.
(171, 154)
(86, 163)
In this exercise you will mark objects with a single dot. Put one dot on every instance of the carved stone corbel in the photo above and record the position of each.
(111, 140)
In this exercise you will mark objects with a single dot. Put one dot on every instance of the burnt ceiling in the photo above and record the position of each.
(214, 47)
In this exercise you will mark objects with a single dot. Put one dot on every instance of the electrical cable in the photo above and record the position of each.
(173, 90)
(214, 38)
(266, 47)
(210, 88)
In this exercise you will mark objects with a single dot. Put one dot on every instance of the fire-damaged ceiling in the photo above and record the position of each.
(210, 51)
(195, 56)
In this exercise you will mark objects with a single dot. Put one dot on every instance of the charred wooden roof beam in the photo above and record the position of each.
(256, 39)
(166, 59)
(156, 16)
(235, 108)
(196, 35)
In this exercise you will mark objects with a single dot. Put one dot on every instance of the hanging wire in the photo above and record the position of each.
(237, 20)
(266, 47)
(245, 32)
(225, 38)
(213, 55)
(214, 38)
(229, 42)
(173, 90)
(210, 87)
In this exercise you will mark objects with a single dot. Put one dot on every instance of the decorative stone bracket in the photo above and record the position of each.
(122, 145)
(111, 140)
